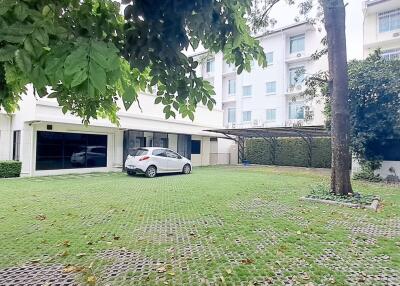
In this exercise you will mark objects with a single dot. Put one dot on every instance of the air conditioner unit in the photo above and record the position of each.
(256, 123)
(231, 125)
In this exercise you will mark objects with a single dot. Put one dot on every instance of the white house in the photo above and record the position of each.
(382, 27)
(45, 139)
(269, 97)
(382, 31)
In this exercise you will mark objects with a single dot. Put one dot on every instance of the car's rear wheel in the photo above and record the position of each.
(151, 172)
(186, 169)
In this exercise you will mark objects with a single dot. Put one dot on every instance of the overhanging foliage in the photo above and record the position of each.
(88, 56)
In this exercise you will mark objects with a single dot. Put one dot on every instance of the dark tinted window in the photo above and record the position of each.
(138, 152)
(159, 153)
(61, 150)
(389, 150)
(171, 154)
(196, 146)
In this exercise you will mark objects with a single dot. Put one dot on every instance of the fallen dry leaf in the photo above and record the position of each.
(161, 269)
(79, 255)
(247, 261)
(73, 269)
(66, 243)
(91, 280)
(40, 217)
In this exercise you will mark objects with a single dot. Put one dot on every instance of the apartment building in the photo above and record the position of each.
(271, 96)
(382, 30)
(382, 27)
(48, 142)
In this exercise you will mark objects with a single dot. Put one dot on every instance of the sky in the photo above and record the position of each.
(285, 15)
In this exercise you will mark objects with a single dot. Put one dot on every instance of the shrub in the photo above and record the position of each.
(10, 169)
(289, 152)
(367, 171)
(322, 192)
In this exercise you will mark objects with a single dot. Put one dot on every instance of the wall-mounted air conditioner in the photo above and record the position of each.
(256, 123)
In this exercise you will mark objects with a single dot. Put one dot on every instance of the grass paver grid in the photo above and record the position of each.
(217, 226)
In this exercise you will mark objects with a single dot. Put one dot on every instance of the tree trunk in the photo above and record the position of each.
(334, 14)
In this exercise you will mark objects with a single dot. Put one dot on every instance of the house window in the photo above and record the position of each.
(231, 115)
(389, 21)
(296, 76)
(296, 110)
(231, 87)
(270, 58)
(210, 66)
(271, 87)
(16, 145)
(247, 91)
(59, 150)
(297, 44)
(271, 115)
(246, 116)
(196, 147)
(391, 54)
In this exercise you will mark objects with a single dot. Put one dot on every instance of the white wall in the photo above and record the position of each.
(28, 148)
(373, 39)
(278, 43)
(5, 137)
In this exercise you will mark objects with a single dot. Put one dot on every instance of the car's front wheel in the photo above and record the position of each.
(186, 169)
(151, 172)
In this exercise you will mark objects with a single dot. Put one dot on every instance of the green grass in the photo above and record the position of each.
(227, 226)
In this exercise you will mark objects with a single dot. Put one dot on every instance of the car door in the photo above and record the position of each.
(174, 161)
(160, 159)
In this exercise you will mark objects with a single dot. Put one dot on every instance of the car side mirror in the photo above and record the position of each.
(179, 157)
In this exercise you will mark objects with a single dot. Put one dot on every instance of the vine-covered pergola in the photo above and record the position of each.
(307, 133)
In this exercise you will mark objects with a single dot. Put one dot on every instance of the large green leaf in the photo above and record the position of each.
(23, 61)
(7, 53)
(97, 76)
(76, 61)
(79, 77)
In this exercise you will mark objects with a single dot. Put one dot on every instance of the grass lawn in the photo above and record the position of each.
(217, 226)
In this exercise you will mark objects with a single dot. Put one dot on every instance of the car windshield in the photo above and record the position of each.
(138, 152)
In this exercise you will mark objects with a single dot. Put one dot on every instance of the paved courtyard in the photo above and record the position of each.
(217, 226)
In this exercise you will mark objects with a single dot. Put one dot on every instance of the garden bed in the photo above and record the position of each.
(321, 194)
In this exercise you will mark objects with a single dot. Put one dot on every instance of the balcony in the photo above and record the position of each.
(295, 89)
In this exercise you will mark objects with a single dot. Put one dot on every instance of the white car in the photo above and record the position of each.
(156, 160)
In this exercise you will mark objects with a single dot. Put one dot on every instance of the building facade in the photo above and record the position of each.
(382, 27)
(382, 31)
(47, 142)
(271, 96)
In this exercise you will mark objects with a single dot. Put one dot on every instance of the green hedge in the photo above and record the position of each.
(289, 152)
(10, 169)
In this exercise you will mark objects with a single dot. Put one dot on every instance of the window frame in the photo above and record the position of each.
(16, 145)
(232, 109)
(388, 15)
(230, 93)
(272, 55)
(195, 152)
(297, 104)
(210, 64)
(297, 82)
(266, 87)
(251, 90)
(243, 117)
(266, 115)
(292, 39)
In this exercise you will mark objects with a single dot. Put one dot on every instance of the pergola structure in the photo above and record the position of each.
(307, 133)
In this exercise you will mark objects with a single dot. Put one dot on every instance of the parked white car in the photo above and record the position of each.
(156, 160)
